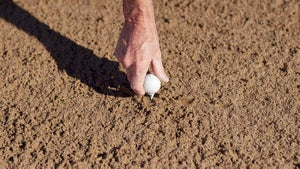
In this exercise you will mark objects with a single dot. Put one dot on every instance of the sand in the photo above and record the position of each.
(232, 100)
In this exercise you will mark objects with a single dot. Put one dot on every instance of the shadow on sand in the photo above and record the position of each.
(79, 62)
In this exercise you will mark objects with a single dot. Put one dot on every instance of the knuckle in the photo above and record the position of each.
(141, 64)
(126, 63)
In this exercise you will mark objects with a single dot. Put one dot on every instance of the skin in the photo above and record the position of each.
(138, 46)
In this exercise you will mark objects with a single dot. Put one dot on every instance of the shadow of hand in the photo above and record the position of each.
(79, 62)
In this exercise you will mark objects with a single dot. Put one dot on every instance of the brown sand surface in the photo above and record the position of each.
(232, 100)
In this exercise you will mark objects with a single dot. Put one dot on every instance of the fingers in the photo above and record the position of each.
(136, 76)
(158, 70)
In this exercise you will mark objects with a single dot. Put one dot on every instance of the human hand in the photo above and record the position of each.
(138, 51)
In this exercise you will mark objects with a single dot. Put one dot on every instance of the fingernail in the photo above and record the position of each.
(166, 78)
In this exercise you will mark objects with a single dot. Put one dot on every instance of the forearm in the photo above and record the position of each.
(138, 11)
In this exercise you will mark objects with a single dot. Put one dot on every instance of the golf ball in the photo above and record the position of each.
(151, 84)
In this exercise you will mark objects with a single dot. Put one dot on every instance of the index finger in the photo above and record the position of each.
(137, 78)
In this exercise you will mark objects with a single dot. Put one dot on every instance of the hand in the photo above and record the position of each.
(138, 50)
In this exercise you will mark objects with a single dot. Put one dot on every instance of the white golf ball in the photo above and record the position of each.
(151, 84)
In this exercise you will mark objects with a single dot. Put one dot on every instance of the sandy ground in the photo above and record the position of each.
(232, 100)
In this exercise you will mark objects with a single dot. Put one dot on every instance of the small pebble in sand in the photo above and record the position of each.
(151, 85)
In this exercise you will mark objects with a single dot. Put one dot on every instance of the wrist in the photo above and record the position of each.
(138, 11)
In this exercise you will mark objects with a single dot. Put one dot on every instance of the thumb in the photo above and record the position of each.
(158, 70)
